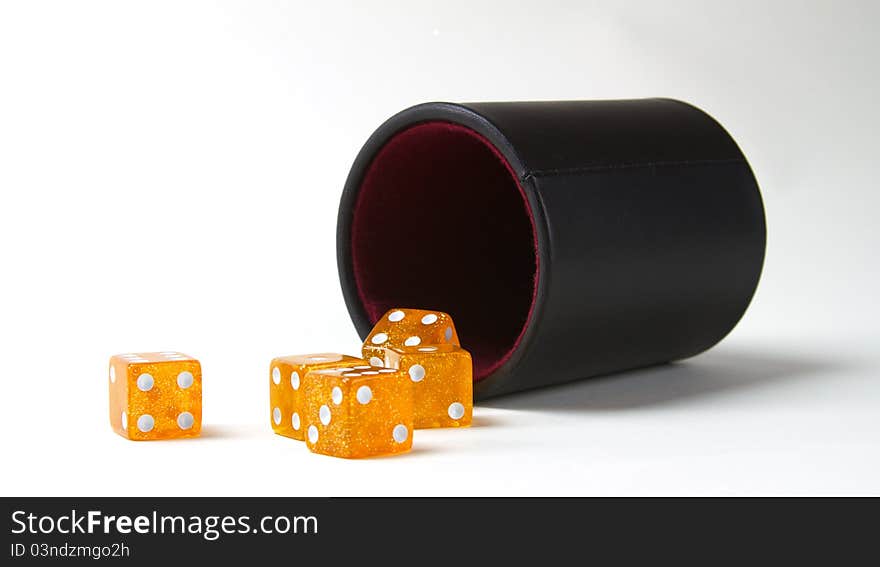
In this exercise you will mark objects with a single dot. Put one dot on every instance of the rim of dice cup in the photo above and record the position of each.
(658, 233)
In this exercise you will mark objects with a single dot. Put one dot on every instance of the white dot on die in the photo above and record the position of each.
(429, 319)
(146, 422)
(313, 434)
(400, 433)
(185, 420)
(387, 371)
(427, 349)
(276, 416)
(416, 372)
(363, 367)
(185, 379)
(145, 382)
(376, 361)
(364, 395)
(294, 380)
(379, 338)
(351, 374)
(294, 421)
(324, 414)
(124, 421)
(276, 375)
(448, 334)
(371, 372)
(412, 341)
(456, 410)
(112, 374)
(336, 395)
(396, 316)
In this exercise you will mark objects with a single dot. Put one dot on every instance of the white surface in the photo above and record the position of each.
(169, 176)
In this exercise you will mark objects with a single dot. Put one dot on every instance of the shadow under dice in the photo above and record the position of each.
(286, 374)
(408, 327)
(155, 395)
(442, 377)
(358, 413)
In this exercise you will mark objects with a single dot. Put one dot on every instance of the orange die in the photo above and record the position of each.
(442, 377)
(155, 395)
(409, 327)
(285, 392)
(358, 413)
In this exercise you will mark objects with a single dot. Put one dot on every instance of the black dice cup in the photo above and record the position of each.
(566, 239)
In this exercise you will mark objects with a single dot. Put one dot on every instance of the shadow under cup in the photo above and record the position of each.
(566, 239)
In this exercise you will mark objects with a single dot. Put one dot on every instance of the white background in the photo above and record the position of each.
(169, 177)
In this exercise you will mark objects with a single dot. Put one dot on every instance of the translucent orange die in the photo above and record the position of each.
(355, 413)
(442, 377)
(409, 327)
(285, 387)
(155, 395)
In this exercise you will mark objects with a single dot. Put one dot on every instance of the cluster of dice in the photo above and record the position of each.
(413, 374)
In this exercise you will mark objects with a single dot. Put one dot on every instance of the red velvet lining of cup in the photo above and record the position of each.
(442, 222)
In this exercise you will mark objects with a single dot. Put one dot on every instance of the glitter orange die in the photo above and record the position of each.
(442, 377)
(425, 345)
(155, 395)
(410, 328)
(286, 375)
(355, 413)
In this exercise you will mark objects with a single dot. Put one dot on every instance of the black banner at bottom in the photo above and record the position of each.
(453, 531)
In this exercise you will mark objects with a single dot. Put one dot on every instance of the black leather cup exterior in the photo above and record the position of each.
(649, 222)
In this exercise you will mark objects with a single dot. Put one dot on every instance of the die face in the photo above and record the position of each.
(384, 418)
(284, 399)
(356, 414)
(442, 377)
(412, 327)
(286, 374)
(156, 396)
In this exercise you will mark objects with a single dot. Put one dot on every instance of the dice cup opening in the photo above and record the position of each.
(440, 221)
